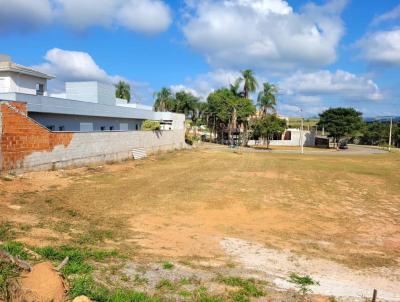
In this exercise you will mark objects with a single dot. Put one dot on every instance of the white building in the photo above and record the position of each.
(85, 106)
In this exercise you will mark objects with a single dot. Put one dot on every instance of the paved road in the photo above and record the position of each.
(353, 150)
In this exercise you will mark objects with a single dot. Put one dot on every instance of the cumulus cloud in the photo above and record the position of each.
(202, 84)
(340, 84)
(69, 65)
(264, 33)
(144, 16)
(24, 16)
(381, 47)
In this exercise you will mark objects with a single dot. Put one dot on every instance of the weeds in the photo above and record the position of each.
(6, 231)
(15, 249)
(77, 257)
(85, 285)
(248, 288)
(303, 283)
(168, 265)
(8, 272)
(165, 284)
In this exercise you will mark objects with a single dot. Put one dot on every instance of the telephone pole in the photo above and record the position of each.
(390, 132)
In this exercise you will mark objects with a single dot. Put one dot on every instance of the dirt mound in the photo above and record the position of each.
(42, 284)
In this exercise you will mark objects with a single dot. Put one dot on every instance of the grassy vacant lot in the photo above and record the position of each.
(171, 211)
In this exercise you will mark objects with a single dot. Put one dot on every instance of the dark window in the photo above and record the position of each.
(111, 128)
(288, 136)
(102, 128)
(51, 127)
(61, 128)
(39, 89)
(137, 126)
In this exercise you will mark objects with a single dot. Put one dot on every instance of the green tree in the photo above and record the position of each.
(341, 122)
(250, 83)
(123, 91)
(267, 126)
(164, 100)
(186, 103)
(267, 98)
(375, 133)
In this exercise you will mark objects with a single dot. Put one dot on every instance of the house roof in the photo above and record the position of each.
(13, 67)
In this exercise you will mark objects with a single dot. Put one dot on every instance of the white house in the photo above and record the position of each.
(85, 106)
(21, 79)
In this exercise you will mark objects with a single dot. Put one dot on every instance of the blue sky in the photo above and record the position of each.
(319, 53)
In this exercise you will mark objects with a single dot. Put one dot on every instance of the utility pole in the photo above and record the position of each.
(390, 132)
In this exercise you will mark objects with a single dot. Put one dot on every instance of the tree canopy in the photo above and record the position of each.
(123, 91)
(267, 98)
(341, 122)
(267, 126)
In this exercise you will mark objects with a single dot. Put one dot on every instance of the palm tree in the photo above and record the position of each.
(186, 103)
(250, 82)
(123, 91)
(234, 88)
(267, 98)
(164, 100)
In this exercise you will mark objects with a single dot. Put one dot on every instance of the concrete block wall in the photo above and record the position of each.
(27, 145)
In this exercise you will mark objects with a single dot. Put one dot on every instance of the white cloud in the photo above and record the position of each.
(389, 16)
(340, 84)
(23, 15)
(203, 84)
(264, 34)
(381, 47)
(144, 16)
(69, 65)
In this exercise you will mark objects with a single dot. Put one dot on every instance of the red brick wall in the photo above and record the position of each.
(22, 136)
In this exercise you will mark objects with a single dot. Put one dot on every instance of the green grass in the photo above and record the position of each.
(167, 265)
(85, 285)
(248, 288)
(15, 249)
(78, 257)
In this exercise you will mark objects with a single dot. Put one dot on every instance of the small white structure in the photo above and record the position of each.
(21, 79)
(291, 137)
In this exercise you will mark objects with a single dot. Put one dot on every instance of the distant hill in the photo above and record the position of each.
(373, 119)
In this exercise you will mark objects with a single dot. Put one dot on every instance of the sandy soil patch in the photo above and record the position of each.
(334, 279)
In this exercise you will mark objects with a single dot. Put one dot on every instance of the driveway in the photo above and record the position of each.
(353, 150)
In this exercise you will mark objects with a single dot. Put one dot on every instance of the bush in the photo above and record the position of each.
(149, 125)
(190, 139)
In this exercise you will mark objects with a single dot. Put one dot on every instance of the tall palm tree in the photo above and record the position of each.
(250, 82)
(234, 88)
(186, 103)
(123, 91)
(267, 98)
(163, 100)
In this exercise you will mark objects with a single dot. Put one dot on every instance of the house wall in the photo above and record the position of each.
(22, 83)
(26, 145)
(93, 92)
(308, 139)
(76, 122)
(5, 82)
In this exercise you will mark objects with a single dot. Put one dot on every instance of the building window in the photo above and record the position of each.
(39, 89)
(111, 128)
(102, 128)
(137, 126)
(288, 136)
(61, 128)
(51, 127)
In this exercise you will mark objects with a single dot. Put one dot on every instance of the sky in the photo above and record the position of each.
(320, 54)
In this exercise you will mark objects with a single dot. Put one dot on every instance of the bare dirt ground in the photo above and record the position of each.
(214, 212)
